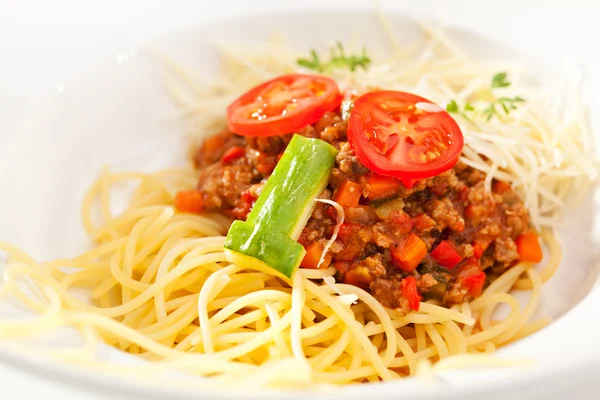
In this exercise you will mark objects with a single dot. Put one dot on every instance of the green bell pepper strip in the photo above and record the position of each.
(267, 240)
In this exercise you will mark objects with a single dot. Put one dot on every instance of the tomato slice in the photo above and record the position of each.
(283, 105)
(392, 137)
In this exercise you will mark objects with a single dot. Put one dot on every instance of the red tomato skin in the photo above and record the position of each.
(372, 158)
(283, 124)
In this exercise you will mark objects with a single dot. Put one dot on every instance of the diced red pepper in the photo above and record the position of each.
(446, 255)
(528, 247)
(409, 253)
(474, 283)
(313, 255)
(348, 194)
(341, 266)
(410, 293)
(381, 187)
(233, 154)
(243, 206)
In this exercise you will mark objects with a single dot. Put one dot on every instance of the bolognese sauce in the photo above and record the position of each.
(446, 232)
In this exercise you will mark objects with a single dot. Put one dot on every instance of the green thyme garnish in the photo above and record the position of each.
(499, 81)
(505, 103)
(453, 107)
(495, 106)
(337, 59)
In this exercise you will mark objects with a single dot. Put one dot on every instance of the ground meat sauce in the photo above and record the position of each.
(453, 207)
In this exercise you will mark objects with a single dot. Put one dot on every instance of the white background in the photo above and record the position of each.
(44, 43)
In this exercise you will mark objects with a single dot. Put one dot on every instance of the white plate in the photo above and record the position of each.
(118, 115)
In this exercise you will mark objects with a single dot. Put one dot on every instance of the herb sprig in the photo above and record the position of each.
(453, 107)
(499, 81)
(495, 107)
(338, 59)
(505, 103)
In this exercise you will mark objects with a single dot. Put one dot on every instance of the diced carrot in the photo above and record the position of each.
(233, 154)
(190, 201)
(358, 276)
(348, 194)
(380, 187)
(477, 250)
(446, 255)
(313, 255)
(409, 253)
(410, 293)
(528, 247)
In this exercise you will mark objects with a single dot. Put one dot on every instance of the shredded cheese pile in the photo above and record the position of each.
(544, 147)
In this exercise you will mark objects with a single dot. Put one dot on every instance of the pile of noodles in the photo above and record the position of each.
(159, 286)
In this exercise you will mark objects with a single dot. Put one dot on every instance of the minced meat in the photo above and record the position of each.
(453, 207)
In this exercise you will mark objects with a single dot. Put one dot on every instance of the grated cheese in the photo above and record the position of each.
(339, 220)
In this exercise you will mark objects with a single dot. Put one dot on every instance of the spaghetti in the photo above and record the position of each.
(163, 289)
